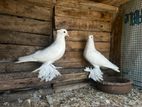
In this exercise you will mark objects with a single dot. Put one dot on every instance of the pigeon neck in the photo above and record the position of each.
(90, 44)
(60, 38)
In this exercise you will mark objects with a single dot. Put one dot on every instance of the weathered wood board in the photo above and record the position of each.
(27, 8)
(113, 2)
(80, 13)
(78, 46)
(83, 36)
(25, 80)
(81, 24)
(13, 23)
(20, 38)
(87, 3)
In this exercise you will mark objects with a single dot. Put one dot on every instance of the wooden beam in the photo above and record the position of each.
(115, 49)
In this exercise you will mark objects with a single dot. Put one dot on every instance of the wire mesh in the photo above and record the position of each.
(131, 44)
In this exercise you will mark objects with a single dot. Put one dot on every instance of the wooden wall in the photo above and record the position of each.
(26, 26)
(82, 20)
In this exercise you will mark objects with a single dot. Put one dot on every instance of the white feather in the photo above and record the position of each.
(47, 56)
(95, 73)
(47, 72)
(96, 58)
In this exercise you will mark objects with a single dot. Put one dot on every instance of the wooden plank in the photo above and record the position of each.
(26, 9)
(24, 25)
(80, 24)
(71, 77)
(44, 3)
(19, 38)
(87, 3)
(29, 81)
(10, 67)
(113, 2)
(19, 75)
(83, 36)
(81, 13)
(115, 49)
(12, 52)
(77, 46)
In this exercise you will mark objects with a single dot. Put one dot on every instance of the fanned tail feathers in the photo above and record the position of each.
(47, 72)
(95, 73)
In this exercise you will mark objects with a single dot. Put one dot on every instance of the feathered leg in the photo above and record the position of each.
(95, 73)
(47, 72)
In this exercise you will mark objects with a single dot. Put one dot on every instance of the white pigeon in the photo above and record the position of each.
(96, 59)
(47, 56)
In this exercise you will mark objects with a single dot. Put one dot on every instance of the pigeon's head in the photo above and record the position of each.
(63, 32)
(90, 42)
(90, 37)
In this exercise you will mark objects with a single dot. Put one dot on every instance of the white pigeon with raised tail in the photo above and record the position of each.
(47, 56)
(96, 59)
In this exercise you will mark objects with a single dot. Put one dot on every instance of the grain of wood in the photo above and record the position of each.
(87, 3)
(13, 23)
(19, 38)
(80, 24)
(25, 81)
(81, 13)
(45, 3)
(113, 2)
(77, 46)
(83, 36)
(115, 49)
(10, 67)
(26, 8)
(12, 52)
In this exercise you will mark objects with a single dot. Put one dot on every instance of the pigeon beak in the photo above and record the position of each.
(67, 35)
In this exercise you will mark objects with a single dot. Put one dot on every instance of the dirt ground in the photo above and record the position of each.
(84, 97)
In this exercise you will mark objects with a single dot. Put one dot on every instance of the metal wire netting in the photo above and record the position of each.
(131, 45)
